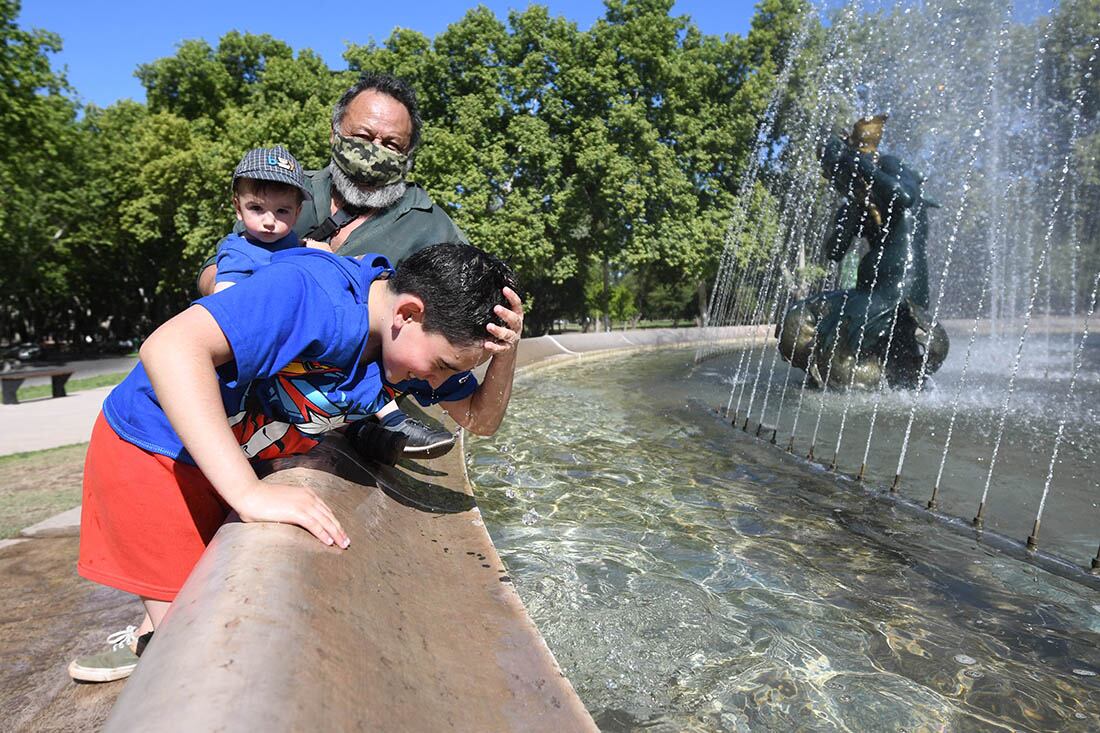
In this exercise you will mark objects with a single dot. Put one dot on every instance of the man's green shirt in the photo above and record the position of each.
(410, 224)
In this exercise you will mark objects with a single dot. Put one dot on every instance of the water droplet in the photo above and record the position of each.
(530, 517)
(510, 493)
(1080, 716)
(974, 674)
(1084, 673)
(965, 659)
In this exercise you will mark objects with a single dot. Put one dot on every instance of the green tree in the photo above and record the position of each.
(601, 163)
(38, 155)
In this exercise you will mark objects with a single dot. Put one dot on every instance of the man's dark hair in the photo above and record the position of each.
(389, 84)
(460, 285)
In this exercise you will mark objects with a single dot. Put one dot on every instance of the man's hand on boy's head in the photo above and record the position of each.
(506, 337)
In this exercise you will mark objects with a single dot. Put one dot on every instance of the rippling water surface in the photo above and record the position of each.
(688, 577)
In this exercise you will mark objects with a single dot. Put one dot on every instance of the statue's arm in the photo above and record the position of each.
(842, 163)
(889, 187)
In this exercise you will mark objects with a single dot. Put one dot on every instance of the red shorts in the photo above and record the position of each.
(146, 518)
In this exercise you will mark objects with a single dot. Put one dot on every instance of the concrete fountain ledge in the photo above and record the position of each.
(416, 627)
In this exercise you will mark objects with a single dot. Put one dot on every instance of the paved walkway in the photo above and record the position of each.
(81, 367)
(50, 421)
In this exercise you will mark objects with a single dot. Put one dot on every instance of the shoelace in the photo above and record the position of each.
(127, 637)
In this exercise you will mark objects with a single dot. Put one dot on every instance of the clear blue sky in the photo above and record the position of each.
(106, 40)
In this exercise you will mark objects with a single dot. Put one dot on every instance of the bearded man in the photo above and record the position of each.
(363, 204)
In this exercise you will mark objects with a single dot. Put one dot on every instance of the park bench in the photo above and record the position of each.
(12, 380)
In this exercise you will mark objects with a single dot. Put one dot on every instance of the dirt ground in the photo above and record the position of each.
(34, 486)
(48, 616)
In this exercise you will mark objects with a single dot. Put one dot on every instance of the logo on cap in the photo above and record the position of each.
(280, 161)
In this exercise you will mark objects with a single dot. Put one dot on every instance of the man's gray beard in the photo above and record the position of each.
(356, 197)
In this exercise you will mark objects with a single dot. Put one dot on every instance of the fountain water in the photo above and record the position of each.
(978, 104)
(689, 581)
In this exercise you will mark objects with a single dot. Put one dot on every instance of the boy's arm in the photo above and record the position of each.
(205, 283)
(180, 358)
(483, 411)
(208, 270)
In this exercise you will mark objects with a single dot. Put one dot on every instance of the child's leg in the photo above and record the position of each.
(145, 521)
(421, 441)
(154, 614)
(386, 410)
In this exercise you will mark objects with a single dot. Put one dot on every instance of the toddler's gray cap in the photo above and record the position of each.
(272, 164)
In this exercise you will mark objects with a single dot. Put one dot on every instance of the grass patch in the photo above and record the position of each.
(37, 485)
(73, 385)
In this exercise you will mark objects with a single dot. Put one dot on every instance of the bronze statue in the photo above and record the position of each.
(883, 205)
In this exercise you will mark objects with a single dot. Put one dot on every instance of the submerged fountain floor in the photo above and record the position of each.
(688, 577)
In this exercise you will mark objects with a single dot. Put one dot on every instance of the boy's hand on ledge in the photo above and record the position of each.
(299, 505)
(506, 337)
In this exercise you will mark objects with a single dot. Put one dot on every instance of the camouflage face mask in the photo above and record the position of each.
(366, 163)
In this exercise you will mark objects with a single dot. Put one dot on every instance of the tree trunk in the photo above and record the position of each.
(605, 305)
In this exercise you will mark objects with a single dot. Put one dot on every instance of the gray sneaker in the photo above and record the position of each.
(117, 663)
(424, 441)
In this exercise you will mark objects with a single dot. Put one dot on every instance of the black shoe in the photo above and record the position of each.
(373, 442)
(423, 441)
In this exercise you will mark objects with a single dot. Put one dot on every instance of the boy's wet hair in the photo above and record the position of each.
(262, 187)
(460, 285)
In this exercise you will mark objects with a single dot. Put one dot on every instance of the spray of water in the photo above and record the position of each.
(1074, 130)
(978, 136)
(1033, 538)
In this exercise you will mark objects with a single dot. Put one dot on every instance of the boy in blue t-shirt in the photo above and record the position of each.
(268, 191)
(265, 369)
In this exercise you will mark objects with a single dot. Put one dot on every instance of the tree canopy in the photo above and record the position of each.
(605, 164)
(602, 163)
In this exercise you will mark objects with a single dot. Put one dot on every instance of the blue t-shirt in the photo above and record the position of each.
(298, 329)
(239, 258)
(457, 387)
